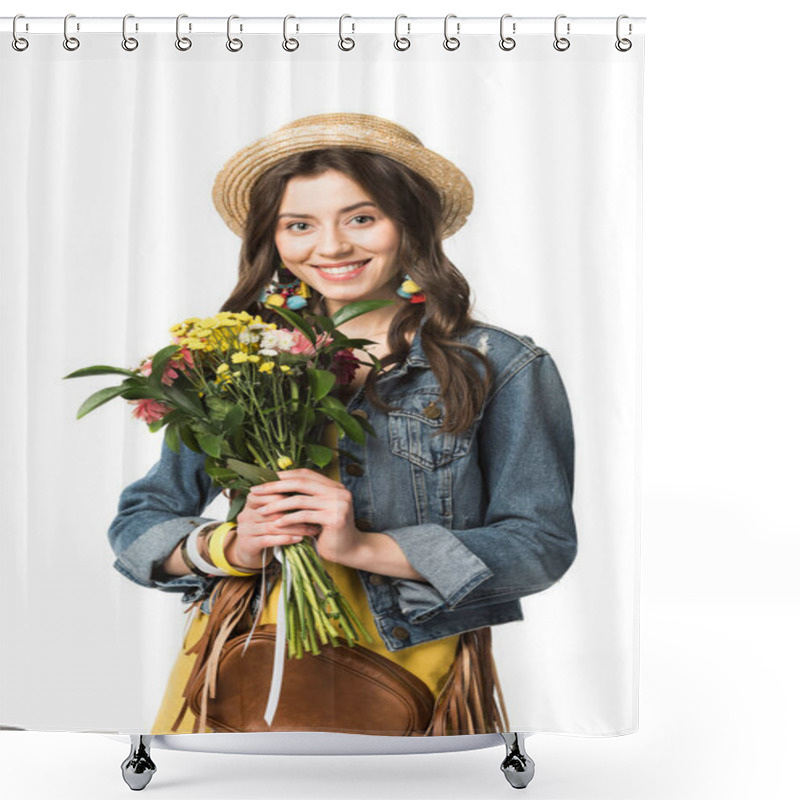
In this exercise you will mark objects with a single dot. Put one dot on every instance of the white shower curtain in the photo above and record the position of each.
(109, 237)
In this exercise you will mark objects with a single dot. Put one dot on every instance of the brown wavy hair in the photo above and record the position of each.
(413, 204)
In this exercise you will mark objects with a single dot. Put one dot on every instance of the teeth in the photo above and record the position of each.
(342, 270)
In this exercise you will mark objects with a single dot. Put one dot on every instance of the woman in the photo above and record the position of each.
(461, 503)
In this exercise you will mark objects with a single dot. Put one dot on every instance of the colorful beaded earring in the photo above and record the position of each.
(293, 294)
(411, 291)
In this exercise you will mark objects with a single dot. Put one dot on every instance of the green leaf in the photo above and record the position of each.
(187, 401)
(319, 454)
(172, 438)
(222, 474)
(321, 382)
(298, 322)
(211, 443)
(233, 419)
(352, 310)
(173, 416)
(218, 408)
(189, 439)
(98, 398)
(237, 504)
(337, 412)
(252, 472)
(160, 361)
(100, 369)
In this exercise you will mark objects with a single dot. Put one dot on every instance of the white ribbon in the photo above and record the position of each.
(280, 642)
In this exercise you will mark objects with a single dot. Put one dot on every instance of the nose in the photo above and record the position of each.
(333, 242)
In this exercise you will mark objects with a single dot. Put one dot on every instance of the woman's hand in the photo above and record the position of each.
(324, 506)
(256, 530)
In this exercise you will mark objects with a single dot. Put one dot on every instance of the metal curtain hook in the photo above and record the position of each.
(506, 42)
(182, 42)
(18, 42)
(561, 43)
(70, 42)
(451, 42)
(623, 45)
(289, 44)
(345, 42)
(129, 43)
(234, 45)
(401, 43)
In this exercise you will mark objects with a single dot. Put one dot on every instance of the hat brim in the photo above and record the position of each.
(231, 191)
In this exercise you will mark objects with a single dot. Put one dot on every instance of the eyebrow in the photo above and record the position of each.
(344, 210)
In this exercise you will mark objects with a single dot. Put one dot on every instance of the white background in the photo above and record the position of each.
(718, 699)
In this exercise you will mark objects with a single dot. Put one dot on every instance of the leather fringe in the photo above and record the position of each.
(467, 703)
(230, 603)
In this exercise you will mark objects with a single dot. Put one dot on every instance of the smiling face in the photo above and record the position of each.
(332, 235)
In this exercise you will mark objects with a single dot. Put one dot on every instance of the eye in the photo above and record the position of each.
(363, 217)
(291, 225)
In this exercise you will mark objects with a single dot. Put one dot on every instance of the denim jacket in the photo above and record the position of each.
(484, 516)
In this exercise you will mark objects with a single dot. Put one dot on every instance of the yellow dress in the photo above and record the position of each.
(429, 661)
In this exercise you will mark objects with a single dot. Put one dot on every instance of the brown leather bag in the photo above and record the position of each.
(342, 690)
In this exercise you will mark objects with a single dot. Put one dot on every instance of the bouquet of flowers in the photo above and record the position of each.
(255, 397)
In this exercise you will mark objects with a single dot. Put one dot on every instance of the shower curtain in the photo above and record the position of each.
(110, 236)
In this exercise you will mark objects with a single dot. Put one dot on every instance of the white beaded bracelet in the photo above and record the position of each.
(194, 553)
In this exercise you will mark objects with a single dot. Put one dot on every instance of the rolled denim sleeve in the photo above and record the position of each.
(155, 512)
(528, 539)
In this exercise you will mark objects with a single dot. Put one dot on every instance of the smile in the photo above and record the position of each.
(345, 270)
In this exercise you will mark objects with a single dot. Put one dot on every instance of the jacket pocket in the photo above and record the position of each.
(415, 431)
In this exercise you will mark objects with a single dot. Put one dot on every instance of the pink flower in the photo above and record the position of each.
(302, 346)
(181, 361)
(149, 410)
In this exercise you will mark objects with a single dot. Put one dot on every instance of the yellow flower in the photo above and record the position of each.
(239, 358)
(284, 462)
(267, 367)
(286, 368)
(254, 359)
(223, 368)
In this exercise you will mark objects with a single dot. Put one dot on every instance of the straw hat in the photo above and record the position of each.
(231, 191)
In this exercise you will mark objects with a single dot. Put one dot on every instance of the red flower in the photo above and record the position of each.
(344, 365)
(149, 410)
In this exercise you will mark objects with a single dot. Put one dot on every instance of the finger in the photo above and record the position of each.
(256, 499)
(308, 515)
(293, 503)
(300, 484)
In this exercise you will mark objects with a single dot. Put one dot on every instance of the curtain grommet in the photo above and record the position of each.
(401, 43)
(183, 43)
(234, 45)
(128, 43)
(451, 42)
(623, 44)
(561, 43)
(345, 42)
(507, 42)
(289, 44)
(19, 43)
(70, 43)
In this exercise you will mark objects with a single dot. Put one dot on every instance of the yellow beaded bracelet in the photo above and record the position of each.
(216, 550)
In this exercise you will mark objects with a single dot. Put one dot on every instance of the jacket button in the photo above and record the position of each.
(376, 580)
(354, 469)
(400, 633)
(432, 411)
(359, 412)
(363, 524)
